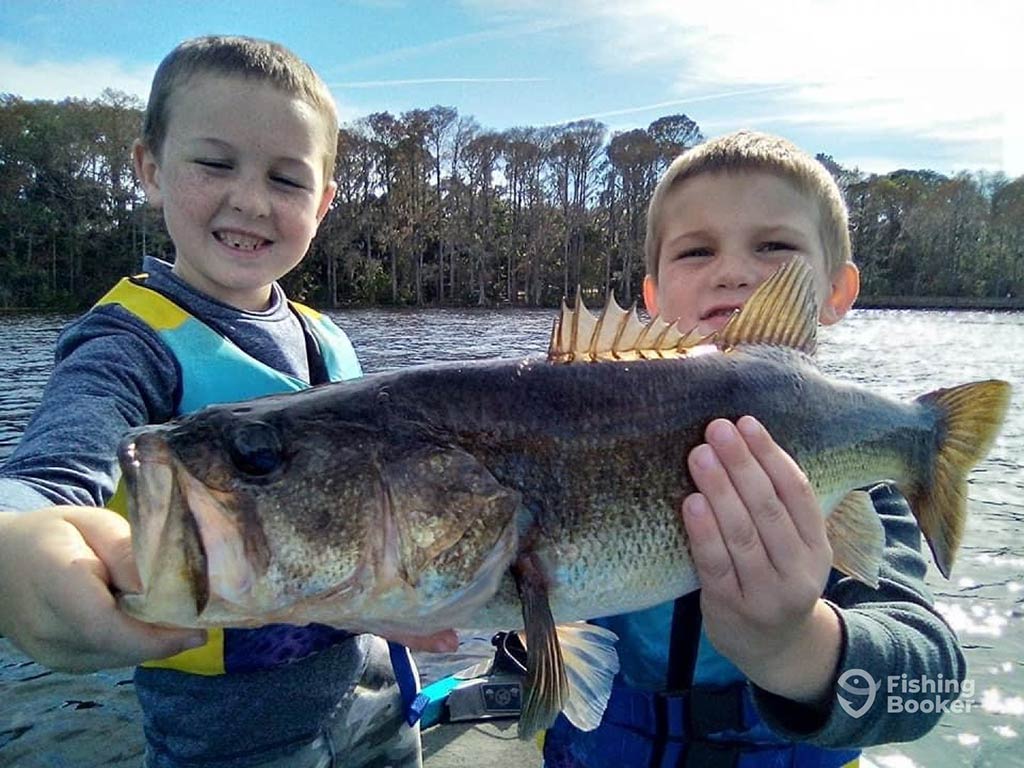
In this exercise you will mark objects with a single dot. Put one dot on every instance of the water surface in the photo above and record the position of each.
(901, 353)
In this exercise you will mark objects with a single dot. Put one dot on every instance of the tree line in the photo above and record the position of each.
(433, 209)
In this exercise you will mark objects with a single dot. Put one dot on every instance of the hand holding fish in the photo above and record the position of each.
(445, 641)
(758, 541)
(58, 567)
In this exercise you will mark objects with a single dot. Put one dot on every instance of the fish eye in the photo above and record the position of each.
(256, 448)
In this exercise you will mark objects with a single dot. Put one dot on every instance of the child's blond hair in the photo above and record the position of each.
(236, 56)
(752, 151)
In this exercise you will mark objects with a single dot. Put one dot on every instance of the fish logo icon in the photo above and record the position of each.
(850, 681)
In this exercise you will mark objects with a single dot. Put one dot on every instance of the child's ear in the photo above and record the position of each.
(845, 288)
(147, 168)
(650, 295)
(330, 190)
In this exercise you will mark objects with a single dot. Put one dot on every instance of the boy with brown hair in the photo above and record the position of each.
(745, 671)
(238, 151)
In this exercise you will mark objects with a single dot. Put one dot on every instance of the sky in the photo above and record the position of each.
(879, 85)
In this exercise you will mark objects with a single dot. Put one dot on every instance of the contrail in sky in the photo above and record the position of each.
(677, 102)
(438, 80)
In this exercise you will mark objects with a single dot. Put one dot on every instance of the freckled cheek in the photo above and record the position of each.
(677, 296)
(296, 219)
(194, 196)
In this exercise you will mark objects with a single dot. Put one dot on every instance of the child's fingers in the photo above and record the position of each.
(753, 564)
(755, 488)
(445, 641)
(118, 640)
(68, 617)
(790, 484)
(707, 547)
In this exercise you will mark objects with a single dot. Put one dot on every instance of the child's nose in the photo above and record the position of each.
(735, 269)
(249, 196)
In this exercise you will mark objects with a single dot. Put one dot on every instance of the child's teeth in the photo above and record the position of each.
(237, 241)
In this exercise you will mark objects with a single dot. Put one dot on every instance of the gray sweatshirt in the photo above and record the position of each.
(112, 373)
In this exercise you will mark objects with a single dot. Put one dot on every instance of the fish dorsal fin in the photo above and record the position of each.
(616, 334)
(783, 311)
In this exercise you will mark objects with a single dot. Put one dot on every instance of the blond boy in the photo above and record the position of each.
(747, 672)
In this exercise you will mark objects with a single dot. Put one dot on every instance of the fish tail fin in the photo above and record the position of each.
(969, 417)
(591, 663)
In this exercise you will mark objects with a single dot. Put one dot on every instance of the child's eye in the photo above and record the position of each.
(776, 245)
(222, 165)
(288, 182)
(694, 253)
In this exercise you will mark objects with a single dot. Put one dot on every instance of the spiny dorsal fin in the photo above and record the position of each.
(615, 334)
(783, 311)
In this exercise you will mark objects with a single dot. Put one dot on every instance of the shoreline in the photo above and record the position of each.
(1011, 304)
(966, 303)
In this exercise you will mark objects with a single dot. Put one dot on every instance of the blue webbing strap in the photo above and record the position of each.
(401, 662)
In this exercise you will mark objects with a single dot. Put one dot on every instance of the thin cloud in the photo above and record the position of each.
(675, 103)
(438, 81)
(923, 70)
(56, 80)
(532, 27)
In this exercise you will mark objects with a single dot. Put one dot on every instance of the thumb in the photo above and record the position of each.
(109, 536)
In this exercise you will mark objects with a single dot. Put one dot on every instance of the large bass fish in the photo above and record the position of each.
(528, 492)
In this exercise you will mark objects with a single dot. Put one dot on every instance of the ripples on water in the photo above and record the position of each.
(901, 353)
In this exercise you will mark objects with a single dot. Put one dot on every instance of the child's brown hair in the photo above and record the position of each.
(235, 56)
(753, 151)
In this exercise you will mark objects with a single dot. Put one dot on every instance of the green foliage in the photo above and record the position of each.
(432, 209)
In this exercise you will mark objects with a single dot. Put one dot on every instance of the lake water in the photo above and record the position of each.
(901, 353)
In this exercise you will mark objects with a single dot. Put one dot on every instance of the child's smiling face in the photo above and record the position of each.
(240, 179)
(723, 235)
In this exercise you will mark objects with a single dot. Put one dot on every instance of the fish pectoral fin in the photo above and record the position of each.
(546, 688)
(591, 663)
(857, 537)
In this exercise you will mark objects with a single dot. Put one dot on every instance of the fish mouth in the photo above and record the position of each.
(169, 548)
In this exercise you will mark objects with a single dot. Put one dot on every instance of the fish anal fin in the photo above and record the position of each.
(857, 537)
(783, 311)
(546, 687)
(591, 663)
(971, 415)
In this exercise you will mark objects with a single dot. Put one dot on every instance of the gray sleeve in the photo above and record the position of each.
(112, 373)
(887, 632)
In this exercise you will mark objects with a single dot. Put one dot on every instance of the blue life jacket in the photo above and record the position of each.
(215, 370)
(705, 716)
